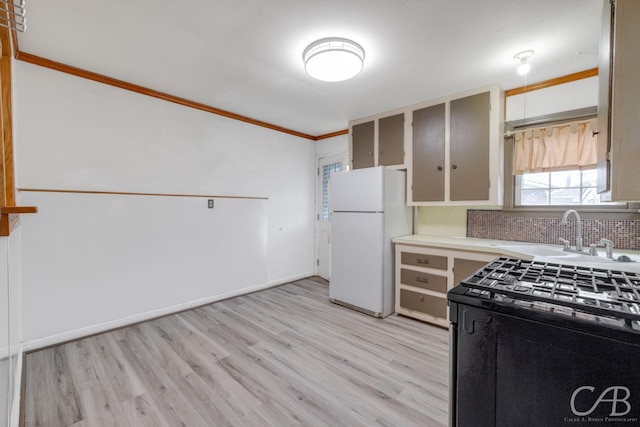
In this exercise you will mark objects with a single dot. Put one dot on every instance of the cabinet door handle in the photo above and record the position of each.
(422, 261)
(439, 168)
(454, 166)
(422, 279)
(421, 298)
(380, 152)
(370, 153)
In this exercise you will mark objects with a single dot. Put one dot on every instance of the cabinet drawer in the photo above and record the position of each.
(432, 282)
(428, 304)
(424, 260)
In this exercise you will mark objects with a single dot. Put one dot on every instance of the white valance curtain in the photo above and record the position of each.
(554, 148)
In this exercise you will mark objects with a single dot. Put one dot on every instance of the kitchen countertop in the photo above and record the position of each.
(498, 247)
(460, 243)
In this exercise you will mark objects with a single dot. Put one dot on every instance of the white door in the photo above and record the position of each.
(326, 166)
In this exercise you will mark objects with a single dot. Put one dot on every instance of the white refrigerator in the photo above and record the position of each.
(368, 209)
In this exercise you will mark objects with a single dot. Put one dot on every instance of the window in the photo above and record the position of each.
(572, 187)
(327, 170)
(552, 176)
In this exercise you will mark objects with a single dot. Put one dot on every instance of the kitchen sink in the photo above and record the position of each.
(575, 257)
(535, 250)
(555, 254)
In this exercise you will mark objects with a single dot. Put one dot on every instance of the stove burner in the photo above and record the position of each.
(596, 291)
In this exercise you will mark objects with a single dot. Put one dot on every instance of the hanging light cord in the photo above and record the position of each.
(524, 102)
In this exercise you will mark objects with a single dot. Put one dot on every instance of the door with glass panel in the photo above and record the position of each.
(326, 166)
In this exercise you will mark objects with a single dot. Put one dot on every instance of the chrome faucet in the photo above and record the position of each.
(578, 227)
(608, 245)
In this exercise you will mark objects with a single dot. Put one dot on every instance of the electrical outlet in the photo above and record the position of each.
(210, 204)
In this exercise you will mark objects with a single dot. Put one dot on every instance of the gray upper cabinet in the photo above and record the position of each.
(456, 150)
(428, 150)
(451, 147)
(470, 147)
(469, 126)
(391, 140)
(378, 141)
(618, 109)
(362, 145)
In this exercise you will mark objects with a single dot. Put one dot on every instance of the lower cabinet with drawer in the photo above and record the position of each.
(424, 274)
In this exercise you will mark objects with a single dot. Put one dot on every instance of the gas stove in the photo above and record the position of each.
(565, 289)
(544, 344)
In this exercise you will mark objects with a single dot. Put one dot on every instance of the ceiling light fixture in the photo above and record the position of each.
(333, 59)
(524, 66)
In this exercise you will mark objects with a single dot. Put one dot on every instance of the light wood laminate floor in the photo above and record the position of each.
(281, 357)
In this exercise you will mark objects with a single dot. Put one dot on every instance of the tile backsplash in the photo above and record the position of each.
(493, 224)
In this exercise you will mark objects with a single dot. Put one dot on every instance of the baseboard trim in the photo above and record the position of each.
(77, 334)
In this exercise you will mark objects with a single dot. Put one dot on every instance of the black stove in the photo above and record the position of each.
(535, 343)
(567, 289)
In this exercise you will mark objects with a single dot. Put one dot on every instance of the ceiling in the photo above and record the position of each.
(245, 56)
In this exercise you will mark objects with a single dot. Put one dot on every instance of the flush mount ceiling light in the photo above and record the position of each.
(333, 59)
(524, 66)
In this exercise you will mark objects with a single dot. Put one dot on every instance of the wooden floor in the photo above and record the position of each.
(281, 357)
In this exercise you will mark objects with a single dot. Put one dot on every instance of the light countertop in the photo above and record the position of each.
(517, 249)
(460, 243)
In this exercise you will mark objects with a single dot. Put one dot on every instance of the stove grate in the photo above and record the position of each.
(589, 290)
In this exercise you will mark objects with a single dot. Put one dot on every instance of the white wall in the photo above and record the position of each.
(76, 134)
(157, 255)
(555, 99)
(5, 389)
(336, 145)
(10, 329)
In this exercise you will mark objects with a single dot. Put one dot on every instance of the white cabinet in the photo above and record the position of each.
(423, 275)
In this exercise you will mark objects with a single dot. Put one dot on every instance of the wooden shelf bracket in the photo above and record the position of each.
(10, 217)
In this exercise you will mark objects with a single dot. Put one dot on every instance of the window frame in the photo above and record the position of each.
(624, 211)
(325, 188)
(521, 188)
